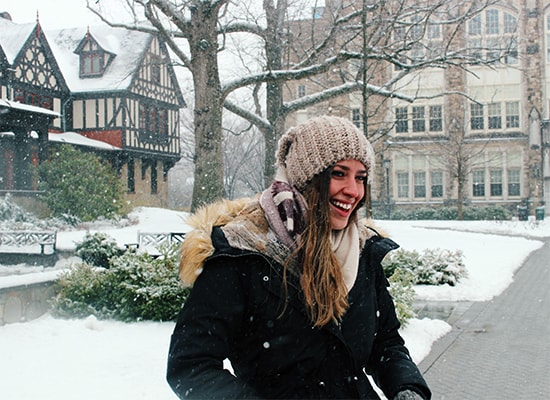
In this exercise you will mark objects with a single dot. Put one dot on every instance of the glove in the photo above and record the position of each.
(408, 395)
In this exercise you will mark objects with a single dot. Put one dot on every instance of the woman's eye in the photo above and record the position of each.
(337, 173)
(362, 178)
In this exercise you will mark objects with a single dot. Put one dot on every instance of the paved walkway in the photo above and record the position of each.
(498, 349)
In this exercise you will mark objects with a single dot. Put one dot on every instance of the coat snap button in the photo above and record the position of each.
(266, 278)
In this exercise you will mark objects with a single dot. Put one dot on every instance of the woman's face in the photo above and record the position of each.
(346, 190)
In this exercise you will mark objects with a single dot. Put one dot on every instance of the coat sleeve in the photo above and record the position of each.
(391, 365)
(200, 343)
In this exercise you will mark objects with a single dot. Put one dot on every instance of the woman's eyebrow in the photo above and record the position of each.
(362, 171)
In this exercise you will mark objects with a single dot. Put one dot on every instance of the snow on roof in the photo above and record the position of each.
(27, 107)
(80, 140)
(13, 36)
(127, 46)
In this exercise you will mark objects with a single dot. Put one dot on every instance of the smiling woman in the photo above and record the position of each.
(289, 286)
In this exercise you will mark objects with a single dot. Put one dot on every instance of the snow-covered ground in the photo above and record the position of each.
(84, 359)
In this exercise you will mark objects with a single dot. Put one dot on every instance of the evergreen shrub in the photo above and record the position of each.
(402, 291)
(489, 213)
(432, 267)
(134, 287)
(79, 184)
(97, 249)
(12, 213)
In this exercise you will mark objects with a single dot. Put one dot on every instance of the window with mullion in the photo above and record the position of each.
(514, 182)
(152, 121)
(495, 116)
(437, 184)
(419, 119)
(356, 117)
(436, 119)
(403, 184)
(512, 114)
(91, 64)
(491, 22)
(478, 189)
(476, 116)
(496, 182)
(401, 120)
(419, 184)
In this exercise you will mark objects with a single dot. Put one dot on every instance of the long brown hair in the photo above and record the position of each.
(322, 281)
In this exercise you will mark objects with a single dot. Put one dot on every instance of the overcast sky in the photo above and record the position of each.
(56, 14)
(53, 14)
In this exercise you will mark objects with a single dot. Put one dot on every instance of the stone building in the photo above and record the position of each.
(486, 142)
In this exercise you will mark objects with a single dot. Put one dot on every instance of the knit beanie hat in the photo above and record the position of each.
(319, 143)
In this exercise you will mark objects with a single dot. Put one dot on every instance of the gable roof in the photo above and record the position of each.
(128, 46)
(13, 36)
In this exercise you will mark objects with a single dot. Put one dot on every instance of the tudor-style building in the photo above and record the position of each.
(499, 134)
(107, 84)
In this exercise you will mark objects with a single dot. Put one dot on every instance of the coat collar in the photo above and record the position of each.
(245, 227)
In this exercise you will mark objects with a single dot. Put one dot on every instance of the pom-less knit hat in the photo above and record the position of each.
(309, 148)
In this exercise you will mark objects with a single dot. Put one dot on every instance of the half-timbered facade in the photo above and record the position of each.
(497, 133)
(106, 84)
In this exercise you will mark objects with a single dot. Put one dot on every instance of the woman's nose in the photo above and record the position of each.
(351, 188)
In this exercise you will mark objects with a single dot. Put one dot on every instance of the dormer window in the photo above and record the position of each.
(94, 60)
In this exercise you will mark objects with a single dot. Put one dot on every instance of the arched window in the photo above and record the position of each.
(492, 37)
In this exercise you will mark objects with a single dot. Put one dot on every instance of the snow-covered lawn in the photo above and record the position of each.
(82, 359)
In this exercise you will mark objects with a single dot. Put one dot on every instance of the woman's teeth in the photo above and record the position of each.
(344, 206)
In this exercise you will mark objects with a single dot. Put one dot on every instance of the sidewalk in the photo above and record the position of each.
(498, 349)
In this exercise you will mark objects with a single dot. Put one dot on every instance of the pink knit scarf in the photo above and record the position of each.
(286, 211)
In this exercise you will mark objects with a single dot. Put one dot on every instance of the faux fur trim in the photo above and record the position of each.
(197, 246)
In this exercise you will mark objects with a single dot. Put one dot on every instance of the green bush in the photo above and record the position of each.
(135, 287)
(402, 291)
(489, 213)
(12, 213)
(440, 267)
(97, 249)
(404, 269)
(432, 267)
(79, 184)
(400, 259)
(82, 292)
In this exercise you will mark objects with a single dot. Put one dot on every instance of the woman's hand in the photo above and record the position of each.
(408, 395)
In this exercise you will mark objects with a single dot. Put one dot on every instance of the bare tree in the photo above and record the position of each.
(375, 34)
(243, 161)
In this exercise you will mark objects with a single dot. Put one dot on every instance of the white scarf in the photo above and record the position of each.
(345, 244)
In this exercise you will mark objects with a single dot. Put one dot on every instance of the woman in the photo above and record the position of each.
(289, 287)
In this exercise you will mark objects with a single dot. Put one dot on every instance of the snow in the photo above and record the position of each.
(15, 105)
(50, 358)
(80, 140)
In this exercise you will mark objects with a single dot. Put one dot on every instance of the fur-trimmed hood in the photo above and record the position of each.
(245, 227)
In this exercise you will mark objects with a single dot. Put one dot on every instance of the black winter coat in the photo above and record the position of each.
(237, 311)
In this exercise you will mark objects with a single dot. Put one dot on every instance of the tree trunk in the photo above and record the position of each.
(208, 177)
(274, 43)
(460, 197)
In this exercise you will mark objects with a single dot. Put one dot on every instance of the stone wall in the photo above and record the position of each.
(25, 302)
